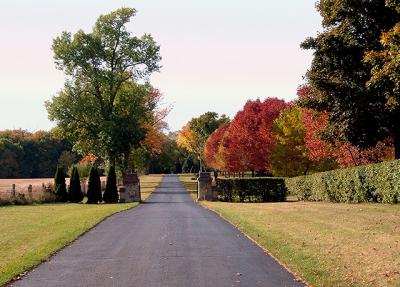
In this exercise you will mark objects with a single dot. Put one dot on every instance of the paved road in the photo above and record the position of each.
(167, 241)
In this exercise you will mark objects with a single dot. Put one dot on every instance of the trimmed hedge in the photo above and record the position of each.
(258, 189)
(369, 183)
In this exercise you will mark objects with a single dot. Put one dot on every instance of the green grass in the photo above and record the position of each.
(325, 244)
(148, 184)
(190, 184)
(30, 234)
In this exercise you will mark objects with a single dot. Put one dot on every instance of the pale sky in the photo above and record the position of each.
(217, 54)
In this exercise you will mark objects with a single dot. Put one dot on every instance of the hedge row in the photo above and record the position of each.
(369, 183)
(263, 189)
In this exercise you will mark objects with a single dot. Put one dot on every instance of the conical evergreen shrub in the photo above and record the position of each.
(60, 186)
(111, 193)
(75, 193)
(94, 186)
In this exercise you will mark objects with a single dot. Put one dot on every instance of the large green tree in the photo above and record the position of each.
(102, 109)
(339, 75)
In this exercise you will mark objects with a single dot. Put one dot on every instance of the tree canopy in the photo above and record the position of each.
(194, 134)
(339, 75)
(103, 109)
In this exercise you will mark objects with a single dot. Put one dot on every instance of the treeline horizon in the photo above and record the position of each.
(25, 154)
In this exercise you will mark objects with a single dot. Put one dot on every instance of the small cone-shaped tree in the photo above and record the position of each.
(94, 186)
(111, 193)
(75, 193)
(60, 186)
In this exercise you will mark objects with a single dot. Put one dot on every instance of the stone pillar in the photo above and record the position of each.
(131, 190)
(204, 187)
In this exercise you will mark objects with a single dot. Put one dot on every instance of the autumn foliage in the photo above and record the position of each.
(281, 138)
(213, 148)
(246, 144)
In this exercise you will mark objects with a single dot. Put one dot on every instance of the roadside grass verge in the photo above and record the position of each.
(148, 183)
(190, 184)
(326, 244)
(31, 234)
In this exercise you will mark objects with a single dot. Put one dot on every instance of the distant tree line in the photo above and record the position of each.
(33, 155)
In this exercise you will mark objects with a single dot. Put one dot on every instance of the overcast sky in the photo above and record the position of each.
(217, 54)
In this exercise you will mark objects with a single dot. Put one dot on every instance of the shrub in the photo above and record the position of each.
(94, 186)
(368, 183)
(83, 170)
(111, 193)
(75, 193)
(19, 199)
(262, 189)
(60, 186)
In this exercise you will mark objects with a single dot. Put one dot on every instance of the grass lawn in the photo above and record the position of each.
(326, 244)
(190, 184)
(30, 234)
(148, 183)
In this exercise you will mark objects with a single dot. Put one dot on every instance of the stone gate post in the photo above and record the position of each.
(131, 190)
(204, 187)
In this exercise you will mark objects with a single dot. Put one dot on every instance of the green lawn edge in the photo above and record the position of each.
(304, 265)
(34, 258)
(9, 272)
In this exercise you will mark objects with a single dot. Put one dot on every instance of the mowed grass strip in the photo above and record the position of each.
(326, 244)
(30, 234)
(190, 184)
(148, 183)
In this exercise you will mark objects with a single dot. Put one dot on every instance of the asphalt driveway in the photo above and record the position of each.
(167, 241)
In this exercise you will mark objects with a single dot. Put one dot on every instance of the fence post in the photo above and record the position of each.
(30, 190)
(13, 191)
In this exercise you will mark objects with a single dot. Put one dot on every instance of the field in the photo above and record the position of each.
(21, 186)
(30, 234)
(325, 244)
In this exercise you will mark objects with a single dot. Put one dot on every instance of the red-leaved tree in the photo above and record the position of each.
(345, 154)
(250, 138)
(213, 149)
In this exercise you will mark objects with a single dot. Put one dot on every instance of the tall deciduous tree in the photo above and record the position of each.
(250, 135)
(338, 75)
(289, 156)
(386, 76)
(189, 141)
(213, 149)
(195, 133)
(101, 108)
(345, 154)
